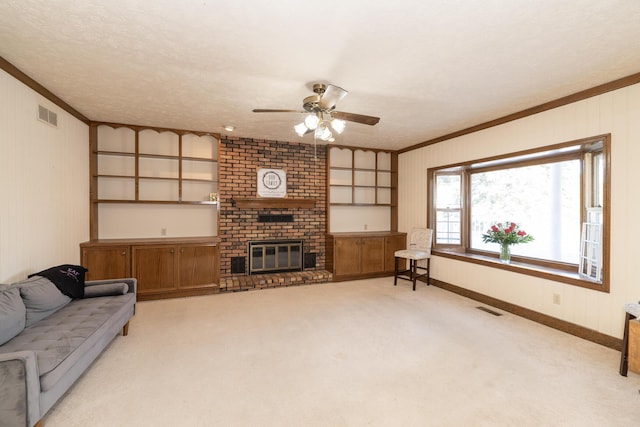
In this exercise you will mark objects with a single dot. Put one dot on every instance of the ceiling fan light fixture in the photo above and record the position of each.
(338, 125)
(301, 129)
(321, 113)
(311, 121)
(323, 132)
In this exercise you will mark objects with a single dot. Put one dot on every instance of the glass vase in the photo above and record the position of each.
(505, 253)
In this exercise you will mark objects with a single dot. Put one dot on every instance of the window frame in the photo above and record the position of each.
(460, 209)
(553, 270)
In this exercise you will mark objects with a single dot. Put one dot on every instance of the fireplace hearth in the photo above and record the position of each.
(275, 256)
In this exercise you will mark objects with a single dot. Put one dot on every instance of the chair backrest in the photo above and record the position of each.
(420, 238)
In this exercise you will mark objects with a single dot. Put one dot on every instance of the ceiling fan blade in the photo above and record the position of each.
(269, 110)
(358, 118)
(331, 96)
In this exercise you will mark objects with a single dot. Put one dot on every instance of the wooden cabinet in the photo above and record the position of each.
(371, 255)
(107, 262)
(393, 243)
(164, 268)
(195, 270)
(154, 267)
(349, 254)
(360, 255)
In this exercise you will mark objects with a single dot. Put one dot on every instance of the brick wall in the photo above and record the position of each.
(239, 161)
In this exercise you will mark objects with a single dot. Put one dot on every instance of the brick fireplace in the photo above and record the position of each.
(240, 159)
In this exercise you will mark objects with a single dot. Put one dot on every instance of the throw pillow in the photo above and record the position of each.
(12, 314)
(68, 278)
(41, 298)
(105, 290)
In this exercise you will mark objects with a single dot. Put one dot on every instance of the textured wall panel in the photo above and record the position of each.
(44, 184)
(616, 112)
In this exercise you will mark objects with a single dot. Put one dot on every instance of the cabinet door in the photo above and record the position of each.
(372, 255)
(108, 262)
(198, 266)
(393, 244)
(347, 255)
(154, 267)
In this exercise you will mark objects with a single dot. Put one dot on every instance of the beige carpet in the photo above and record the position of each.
(361, 353)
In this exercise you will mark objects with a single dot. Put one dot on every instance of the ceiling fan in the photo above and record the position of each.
(323, 115)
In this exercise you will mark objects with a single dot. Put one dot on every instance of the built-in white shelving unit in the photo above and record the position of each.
(361, 189)
(144, 180)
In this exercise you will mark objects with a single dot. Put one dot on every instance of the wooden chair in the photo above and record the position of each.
(419, 250)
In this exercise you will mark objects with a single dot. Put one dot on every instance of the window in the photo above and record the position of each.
(591, 238)
(543, 199)
(555, 193)
(448, 208)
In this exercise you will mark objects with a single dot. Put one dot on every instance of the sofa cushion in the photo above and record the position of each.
(41, 298)
(13, 314)
(67, 277)
(106, 289)
(63, 338)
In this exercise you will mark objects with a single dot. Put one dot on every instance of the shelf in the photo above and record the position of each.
(167, 178)
(157, 202)
(152, 241)
(114, 176)
(199, 159)
(154, 156)
(361, 204)
(156, 177)
(360, 186)
(273, 203)
(343, 168)
(362, 178)
(339, 168)
(199, 180)
(115, 153)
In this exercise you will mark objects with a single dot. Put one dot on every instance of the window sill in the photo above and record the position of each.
(555, 275)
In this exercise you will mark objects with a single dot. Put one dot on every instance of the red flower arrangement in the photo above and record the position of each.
(508, 233)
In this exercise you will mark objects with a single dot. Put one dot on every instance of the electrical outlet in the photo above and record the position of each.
(556, 299)
(366, 226)
(163, 231)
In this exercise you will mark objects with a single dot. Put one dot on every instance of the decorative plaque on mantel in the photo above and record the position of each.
(272, 183)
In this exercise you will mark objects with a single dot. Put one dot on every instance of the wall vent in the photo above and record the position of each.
(275, 218)
(238, 265)
(47, 116)
(309, 260)
(487, 310)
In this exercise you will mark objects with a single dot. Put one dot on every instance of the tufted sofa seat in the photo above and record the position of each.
(48, 356)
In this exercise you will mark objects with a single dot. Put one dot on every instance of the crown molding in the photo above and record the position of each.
(29, 82)
(569, 99)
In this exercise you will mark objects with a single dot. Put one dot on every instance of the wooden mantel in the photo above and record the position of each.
(273, 203)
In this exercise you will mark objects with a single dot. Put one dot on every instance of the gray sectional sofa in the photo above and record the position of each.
(48, 339)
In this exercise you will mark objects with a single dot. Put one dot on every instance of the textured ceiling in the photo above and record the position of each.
(425, 67)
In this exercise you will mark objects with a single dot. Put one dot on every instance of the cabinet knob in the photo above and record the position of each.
(181, 250)
(171, 251)
(123, 253)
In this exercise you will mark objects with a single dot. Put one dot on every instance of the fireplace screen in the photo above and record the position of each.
(275, 256)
